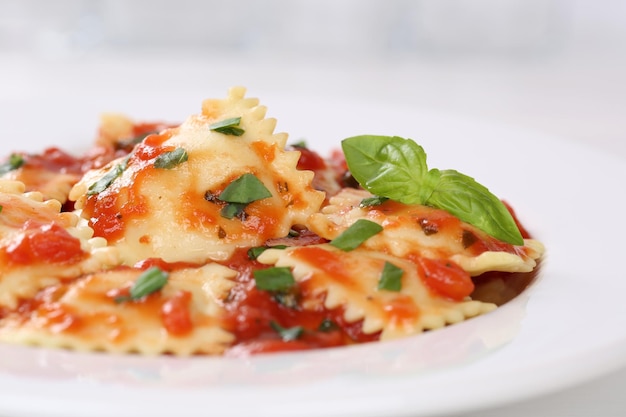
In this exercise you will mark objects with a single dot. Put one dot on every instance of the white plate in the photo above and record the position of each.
(567, 328)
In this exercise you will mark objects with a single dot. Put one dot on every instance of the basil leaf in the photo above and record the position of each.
(278, 278)
(232, 210)
(393, 167)
(254, 253)
(390, 278)
(357, 233)
(327, 325)
(387, 166)
(107, 179)
(149, 281)
(287, 334)
(245, 189)
(14, 162)
(373, 201)
(169, 160)
(1, 207)
(228, 127)
(473, 203)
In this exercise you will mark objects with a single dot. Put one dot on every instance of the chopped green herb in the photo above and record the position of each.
(327, 325)
(396, 168)
(104, 182)
(373, 201)
(300, 144)
(278, 278)
(15, 161)
(288, 299)
(232, 210)
(149, 281)
(390, 278)
(0, 209)
(287, 334)
(245, 189)
(228, 127)
(169, 160)
(254, 253)
(357, 233)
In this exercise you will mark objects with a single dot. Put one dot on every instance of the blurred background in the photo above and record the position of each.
(552, 65)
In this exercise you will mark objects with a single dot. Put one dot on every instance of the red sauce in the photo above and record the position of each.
(445, 277)
(175, 314)
(47, 243)
(310, 160)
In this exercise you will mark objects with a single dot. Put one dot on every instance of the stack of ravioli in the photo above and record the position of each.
(190, 202)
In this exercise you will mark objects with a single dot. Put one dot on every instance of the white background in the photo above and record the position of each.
(552, 66)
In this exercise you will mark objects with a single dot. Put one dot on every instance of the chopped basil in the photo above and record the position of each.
(254, 253)
(327, 325)
(288, 299)
(15, 161)
(104, 182)
(245, 189)
(287, 334)
(357, 233)
(390, 278)
(278, 278)
(149, 281)
(300, 144)
(232, 210)
(0, 209)
(228, 127)
(373, 201)
(169, 160)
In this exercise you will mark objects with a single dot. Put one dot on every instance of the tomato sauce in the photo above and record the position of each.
(44, 243)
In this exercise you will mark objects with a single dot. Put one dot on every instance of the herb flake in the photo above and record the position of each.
(228, 127)
(357, 233)
(390, 278)
(287, 334)
(14, 162)
(169, 160)
(278, 278)
(150, 281)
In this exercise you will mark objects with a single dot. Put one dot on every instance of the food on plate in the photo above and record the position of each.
(216, 236)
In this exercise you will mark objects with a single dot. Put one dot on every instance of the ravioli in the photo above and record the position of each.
(349, 280)
(175, 213)
(84, 314)
(214, 237)
(426, 231)
(39, 245)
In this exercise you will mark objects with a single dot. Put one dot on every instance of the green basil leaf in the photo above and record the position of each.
(327, 325)
(287, 334)
(390, 278)
(475, 204)
(254, 253)
(148, 282)
(169, 160)
(357, 233)
(245, 189)
(14, 162)
(107, 179)
(373, 201)
(228, 127)
(393, 167)
(1, 207)
(278, 278)
(232, 210)
(388, 166)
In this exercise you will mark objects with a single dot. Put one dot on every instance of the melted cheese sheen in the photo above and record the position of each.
(171, 214)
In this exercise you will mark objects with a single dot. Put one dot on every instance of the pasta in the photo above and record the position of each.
(216, 237)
